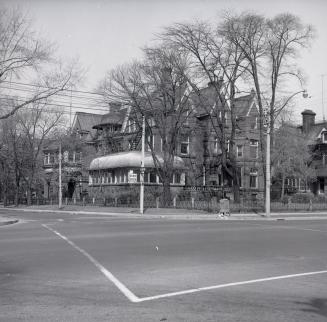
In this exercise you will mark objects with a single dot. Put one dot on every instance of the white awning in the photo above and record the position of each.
(130, 159)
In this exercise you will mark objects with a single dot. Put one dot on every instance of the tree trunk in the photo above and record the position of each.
(236, 185)
(17, 193)
(29, 196)
(283, 187)
(166, 193)
(5, 194)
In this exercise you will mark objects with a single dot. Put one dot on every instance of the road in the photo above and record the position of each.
(59, 267)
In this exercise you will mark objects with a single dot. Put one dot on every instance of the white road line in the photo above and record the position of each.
(289, 227)
(201, 289)
(131, 296)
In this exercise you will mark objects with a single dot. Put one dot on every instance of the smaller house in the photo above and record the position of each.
(316, 134)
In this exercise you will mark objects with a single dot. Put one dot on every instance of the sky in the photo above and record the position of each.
(105, 33)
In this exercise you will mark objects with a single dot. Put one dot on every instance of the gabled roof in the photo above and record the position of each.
(244, 104)
(84, 122)
(205, 101)
(315, 131)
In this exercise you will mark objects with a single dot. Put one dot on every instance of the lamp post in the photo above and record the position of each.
(142, 169)
(60, 183)
(267, 117)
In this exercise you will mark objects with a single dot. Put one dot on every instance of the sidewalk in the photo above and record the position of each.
(169, 213)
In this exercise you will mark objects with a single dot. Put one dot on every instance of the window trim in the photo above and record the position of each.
(254, 174)
(239, 148)
(187, 144)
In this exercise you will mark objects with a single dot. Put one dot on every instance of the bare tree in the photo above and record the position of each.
(215, 58)
(270, 47)
(156, 88)
(23, 53)
(35, 124)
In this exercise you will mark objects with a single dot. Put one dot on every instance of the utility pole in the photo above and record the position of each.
(142, 169)
(268, 174)
(60, 183)
(322, 96)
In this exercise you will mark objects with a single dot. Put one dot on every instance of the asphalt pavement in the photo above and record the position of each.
(70, 266)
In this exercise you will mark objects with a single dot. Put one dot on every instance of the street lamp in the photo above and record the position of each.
(142, 169)
(60, 179)
(268, 161)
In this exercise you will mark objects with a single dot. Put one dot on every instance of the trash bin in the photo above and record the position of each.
(224, 207)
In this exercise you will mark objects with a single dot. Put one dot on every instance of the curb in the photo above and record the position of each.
(167, 216)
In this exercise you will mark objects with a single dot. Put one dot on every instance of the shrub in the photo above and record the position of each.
(321, 198)
(302, 197)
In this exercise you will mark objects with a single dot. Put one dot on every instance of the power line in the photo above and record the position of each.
(57, 94)
(56, 88)
(22, 99)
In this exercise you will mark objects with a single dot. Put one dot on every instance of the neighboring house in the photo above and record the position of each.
(77, 153)
(316, 134)
(74, 176)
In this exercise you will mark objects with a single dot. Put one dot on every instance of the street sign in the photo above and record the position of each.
(132, 178)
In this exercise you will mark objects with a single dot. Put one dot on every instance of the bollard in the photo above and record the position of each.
(174, 202)
(192, 201)
(74, 200)
(83, 201)
(116, 201)
(66, 201)
(93, 200)
(310, 205)
(157, 202)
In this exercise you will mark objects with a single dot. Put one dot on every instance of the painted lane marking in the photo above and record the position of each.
(133, 298)
(130, 295)
(288, 227)
(208, 288)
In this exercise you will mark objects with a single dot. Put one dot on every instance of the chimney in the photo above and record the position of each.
(308, 120)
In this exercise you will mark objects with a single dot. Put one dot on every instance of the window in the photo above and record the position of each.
(149, 142)
(153, 177)
(254, 149)
(187, 117)
(324, 159)
(47, 158)
(78, 156)
(185, 143)
(302, 185)
(52, 158)
(71, 156)
(131, 125)
(239, 151)
(65, 156)
(254, 123)
(177, 178)
(253, 178)
(215, 146)
(324, 137)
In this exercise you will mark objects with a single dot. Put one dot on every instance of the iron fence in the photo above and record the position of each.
(153, 201)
